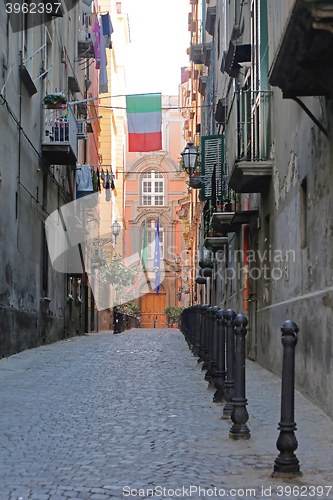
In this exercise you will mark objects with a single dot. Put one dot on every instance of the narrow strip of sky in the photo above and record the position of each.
(159, 39)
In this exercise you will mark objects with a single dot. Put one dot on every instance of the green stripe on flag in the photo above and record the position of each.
(143, 103)
(144, 256)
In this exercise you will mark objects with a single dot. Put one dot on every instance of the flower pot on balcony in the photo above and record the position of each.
(54, 101)
(57, 105)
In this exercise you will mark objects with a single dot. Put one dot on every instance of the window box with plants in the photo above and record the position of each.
(55, 101)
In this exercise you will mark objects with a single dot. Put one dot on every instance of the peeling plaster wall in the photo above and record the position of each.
(303, 291)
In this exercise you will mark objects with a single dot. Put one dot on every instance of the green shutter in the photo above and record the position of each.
(212, 153)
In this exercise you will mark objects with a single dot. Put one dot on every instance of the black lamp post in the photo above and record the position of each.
(177, 259)
(190, 156)
(115, 229)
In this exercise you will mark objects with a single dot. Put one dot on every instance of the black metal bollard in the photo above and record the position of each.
(197, 325)
(287, 462)
(206, 358)
(192, 326)
(239, 414)
(212, 349)
(187, 325)
(201, 352)
(220, 367)
(230, 382)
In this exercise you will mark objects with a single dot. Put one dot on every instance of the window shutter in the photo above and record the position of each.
(212, 154)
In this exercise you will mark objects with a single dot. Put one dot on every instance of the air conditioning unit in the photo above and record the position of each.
(85, 35)
(81, 130)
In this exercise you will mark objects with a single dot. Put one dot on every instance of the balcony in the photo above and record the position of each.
(202, 85)
(85, 36)
(196, 54)
(215, 243)
(210, 20)
(303, 64)
(235, 55)
(252, 166)
(59, 146)
(221, 112)
(230, 222)
(207, 52)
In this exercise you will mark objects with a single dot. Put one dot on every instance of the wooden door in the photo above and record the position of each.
(152, 307)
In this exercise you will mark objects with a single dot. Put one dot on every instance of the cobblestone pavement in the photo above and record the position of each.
(99, 416)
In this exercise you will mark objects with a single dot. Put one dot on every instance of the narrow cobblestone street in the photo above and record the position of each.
(88, 417)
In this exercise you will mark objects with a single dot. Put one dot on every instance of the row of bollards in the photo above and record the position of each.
(217, 338)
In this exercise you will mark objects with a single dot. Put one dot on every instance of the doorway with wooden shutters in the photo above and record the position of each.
(152, 307)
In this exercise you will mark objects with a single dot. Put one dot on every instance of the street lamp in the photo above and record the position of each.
(190, 156)
(177, 259)
(115, 229)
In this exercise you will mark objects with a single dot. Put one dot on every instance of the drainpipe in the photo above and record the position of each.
(246, 259)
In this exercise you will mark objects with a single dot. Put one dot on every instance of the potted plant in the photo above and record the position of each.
(55, 101)
(173, 313)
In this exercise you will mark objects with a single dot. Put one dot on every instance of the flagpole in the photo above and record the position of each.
(144, 266)
(157, 253)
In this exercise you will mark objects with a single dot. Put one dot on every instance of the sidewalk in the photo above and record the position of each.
(100, 416)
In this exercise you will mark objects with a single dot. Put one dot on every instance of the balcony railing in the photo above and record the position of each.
(248, 132)
(60, 136)
(254, 125)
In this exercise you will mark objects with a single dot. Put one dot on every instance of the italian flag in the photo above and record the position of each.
(144, 118)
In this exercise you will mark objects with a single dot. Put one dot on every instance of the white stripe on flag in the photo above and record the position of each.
(144, 123)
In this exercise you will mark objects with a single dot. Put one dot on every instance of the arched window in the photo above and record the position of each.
(151, 237)
(152, 188)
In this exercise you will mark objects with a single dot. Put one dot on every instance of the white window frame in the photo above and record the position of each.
(152, 189)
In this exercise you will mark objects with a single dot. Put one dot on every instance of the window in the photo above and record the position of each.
(152, 188)
(151, 236)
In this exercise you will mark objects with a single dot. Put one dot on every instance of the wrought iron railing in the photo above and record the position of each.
(253, 125)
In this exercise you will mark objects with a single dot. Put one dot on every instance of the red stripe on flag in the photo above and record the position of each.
(145, 142)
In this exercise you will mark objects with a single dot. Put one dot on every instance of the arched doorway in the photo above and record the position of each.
(152, 307)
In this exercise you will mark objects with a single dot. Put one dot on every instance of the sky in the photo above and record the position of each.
(159, 39)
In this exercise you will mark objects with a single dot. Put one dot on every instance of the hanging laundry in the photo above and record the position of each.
(103, 178)
(113, 186)
(107, 29)
(107, 188)
(94, 179)
(103, 75)
(98, 180)
(84, 185)
(97, 43)
(106, 24)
